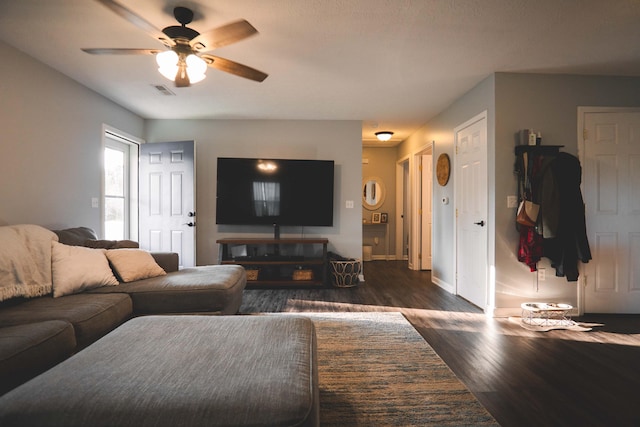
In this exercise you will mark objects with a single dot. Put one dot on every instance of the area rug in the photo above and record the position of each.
(376, 370)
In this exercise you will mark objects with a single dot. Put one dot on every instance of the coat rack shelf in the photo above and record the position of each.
(538, 149)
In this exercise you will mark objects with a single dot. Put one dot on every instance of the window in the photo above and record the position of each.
(120, 201)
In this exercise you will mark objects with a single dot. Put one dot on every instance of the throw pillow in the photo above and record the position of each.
(76, 269)
(133, 264)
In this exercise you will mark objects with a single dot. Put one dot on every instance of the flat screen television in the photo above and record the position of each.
(274, 192)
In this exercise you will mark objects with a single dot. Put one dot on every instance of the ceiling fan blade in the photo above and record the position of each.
(223, 36)
(234, 68)
(109, 51)
(138, 21)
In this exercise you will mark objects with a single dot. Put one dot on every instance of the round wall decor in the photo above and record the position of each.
(443, 169)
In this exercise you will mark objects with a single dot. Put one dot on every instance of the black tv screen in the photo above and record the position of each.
(274, 192)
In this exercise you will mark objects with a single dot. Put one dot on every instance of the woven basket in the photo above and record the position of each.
(346, 273)
(252, 274)
(302, 274)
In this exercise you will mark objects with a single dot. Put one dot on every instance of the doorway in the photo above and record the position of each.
(414, 181)
(167, 199)
(422, 212)
(403, 229)
(609, 152)
(471, 210)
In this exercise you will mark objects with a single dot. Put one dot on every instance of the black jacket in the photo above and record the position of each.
(570, 242)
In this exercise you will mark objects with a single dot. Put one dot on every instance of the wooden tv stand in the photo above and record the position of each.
(277, 262)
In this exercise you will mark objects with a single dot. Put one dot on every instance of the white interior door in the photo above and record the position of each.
(167, 199)
(471, 210)
(611, 171)
(406, 197)
(425, 238)
(402, 200)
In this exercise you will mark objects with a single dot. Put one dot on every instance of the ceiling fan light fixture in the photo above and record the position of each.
(384, 135)
(169, 65)
(196, 68)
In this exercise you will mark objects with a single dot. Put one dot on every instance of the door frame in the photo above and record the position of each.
(402, 214)
(167, 244)
(134, 176)
(416, 217)
(582, 111)
(413, 206)
(489, 304)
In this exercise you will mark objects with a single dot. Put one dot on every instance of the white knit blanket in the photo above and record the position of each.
(25, 261)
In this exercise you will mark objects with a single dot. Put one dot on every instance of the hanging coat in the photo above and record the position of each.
(570, 244)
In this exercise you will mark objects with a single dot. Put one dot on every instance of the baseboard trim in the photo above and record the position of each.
(444, 285)
(507, 312)
(383, 258)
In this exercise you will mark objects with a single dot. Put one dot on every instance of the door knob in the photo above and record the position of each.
(481, 223)
(190, 224)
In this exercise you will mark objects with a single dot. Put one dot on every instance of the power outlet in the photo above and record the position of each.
(542, 275)
(349, 204)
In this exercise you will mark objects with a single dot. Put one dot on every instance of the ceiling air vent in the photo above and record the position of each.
(164, 90)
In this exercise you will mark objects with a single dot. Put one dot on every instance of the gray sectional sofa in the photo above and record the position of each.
(39, 331)
(141, 351)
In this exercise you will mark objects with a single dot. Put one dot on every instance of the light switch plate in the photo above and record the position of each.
(512, 201)
(94, 202)
(349, 204)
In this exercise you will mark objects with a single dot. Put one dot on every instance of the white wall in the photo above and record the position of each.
(51, 144)
(323, 140)
(439, 130)
(547, 103)
(50, 166)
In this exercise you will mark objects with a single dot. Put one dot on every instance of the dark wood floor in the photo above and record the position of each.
(524, 378)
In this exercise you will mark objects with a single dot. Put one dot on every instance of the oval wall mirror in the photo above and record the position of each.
(373, 193)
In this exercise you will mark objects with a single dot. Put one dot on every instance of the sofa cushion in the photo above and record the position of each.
(28, 350)
(76, 236)
(25, 261)
(110, 244)
(91, 315)
(134, 264)
(76, 269)
(180, 370)
(211, 288)
(169, 261)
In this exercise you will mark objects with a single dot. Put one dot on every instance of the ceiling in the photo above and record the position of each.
(393, 64)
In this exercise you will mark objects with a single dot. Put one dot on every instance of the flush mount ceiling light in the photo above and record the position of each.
(384, 135)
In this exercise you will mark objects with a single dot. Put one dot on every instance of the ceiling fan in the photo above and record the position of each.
(185, 62)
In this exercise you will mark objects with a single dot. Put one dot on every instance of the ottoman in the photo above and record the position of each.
(180, 371)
